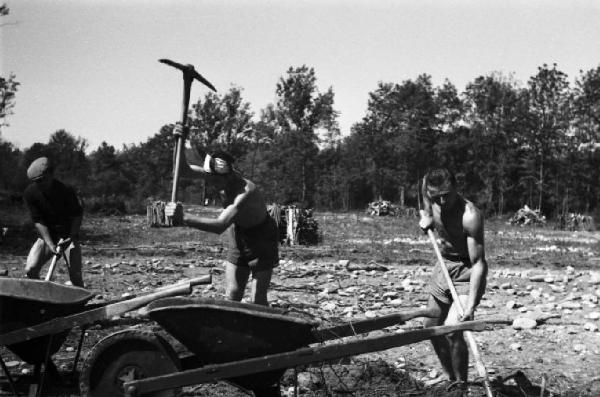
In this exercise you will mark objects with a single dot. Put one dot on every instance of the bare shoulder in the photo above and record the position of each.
(472, 219)
(250, 186)
(246, 193)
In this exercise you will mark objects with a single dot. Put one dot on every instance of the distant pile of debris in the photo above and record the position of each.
(155, 214)
(526, 216)
(381, 208)
(572, 221)
(296, 225)
(386, 208)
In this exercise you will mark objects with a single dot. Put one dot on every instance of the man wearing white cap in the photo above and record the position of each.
(252, 233)
(57, 213)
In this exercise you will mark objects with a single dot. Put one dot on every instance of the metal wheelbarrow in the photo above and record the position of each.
(36, 317)
(246, 344)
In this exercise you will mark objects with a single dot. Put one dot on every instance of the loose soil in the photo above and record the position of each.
(366, 266)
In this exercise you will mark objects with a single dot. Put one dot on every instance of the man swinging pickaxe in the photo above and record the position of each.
(189, 74)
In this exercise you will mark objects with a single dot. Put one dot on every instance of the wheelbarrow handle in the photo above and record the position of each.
(206, 279)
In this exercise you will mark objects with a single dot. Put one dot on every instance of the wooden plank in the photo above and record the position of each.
(308, 355)
(91, 316)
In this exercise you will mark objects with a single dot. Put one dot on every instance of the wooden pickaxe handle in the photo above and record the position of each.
(55, 257)
(479, 365)
(187, 86)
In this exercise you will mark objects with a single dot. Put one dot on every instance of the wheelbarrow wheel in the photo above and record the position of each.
(124, 356)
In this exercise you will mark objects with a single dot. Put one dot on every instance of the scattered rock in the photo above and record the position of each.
(594, 277)
(512, 304)
(590, 327)
(520, 323)
(578, 347)
(593, 316)
(487, 304)
(589, 298)
(308, 380)
(505, 286)
(515, 346)
(537, 278)
(570, 305)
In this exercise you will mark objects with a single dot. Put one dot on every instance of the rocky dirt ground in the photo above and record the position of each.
(366, 267)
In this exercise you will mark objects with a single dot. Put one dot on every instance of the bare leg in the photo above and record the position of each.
(440, 344)
(458, 345)
(38, 255)
(260, 286)
(73, 256)
(236, 278)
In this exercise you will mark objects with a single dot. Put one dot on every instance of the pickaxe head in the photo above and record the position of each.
(189, 73)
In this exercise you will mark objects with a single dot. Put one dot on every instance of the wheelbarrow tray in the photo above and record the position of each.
(25, 303)
(253, 345)
(33, 310)
(219, 331)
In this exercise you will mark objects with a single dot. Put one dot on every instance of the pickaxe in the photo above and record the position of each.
(189, 74)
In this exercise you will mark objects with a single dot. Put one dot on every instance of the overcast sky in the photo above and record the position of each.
(91, 67)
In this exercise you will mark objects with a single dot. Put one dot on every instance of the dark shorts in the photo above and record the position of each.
(256, 247)
(460, 273)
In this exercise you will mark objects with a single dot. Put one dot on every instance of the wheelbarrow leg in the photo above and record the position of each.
(11, 382)
(78, 353)
(34, 387)
(42, 373)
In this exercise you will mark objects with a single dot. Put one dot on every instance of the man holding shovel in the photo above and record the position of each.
(459, 225)
(57, 213)
(252, 233)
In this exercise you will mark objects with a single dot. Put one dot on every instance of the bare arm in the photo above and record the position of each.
(426, 221)
(187, 169)
(45, 234)
(473, 225)
(214, 225)
(426, 202)
(223, 221)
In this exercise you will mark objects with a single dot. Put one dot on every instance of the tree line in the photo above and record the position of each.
(508, 143)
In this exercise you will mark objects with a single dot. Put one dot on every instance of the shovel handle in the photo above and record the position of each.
(54, 260)
(479, 365)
